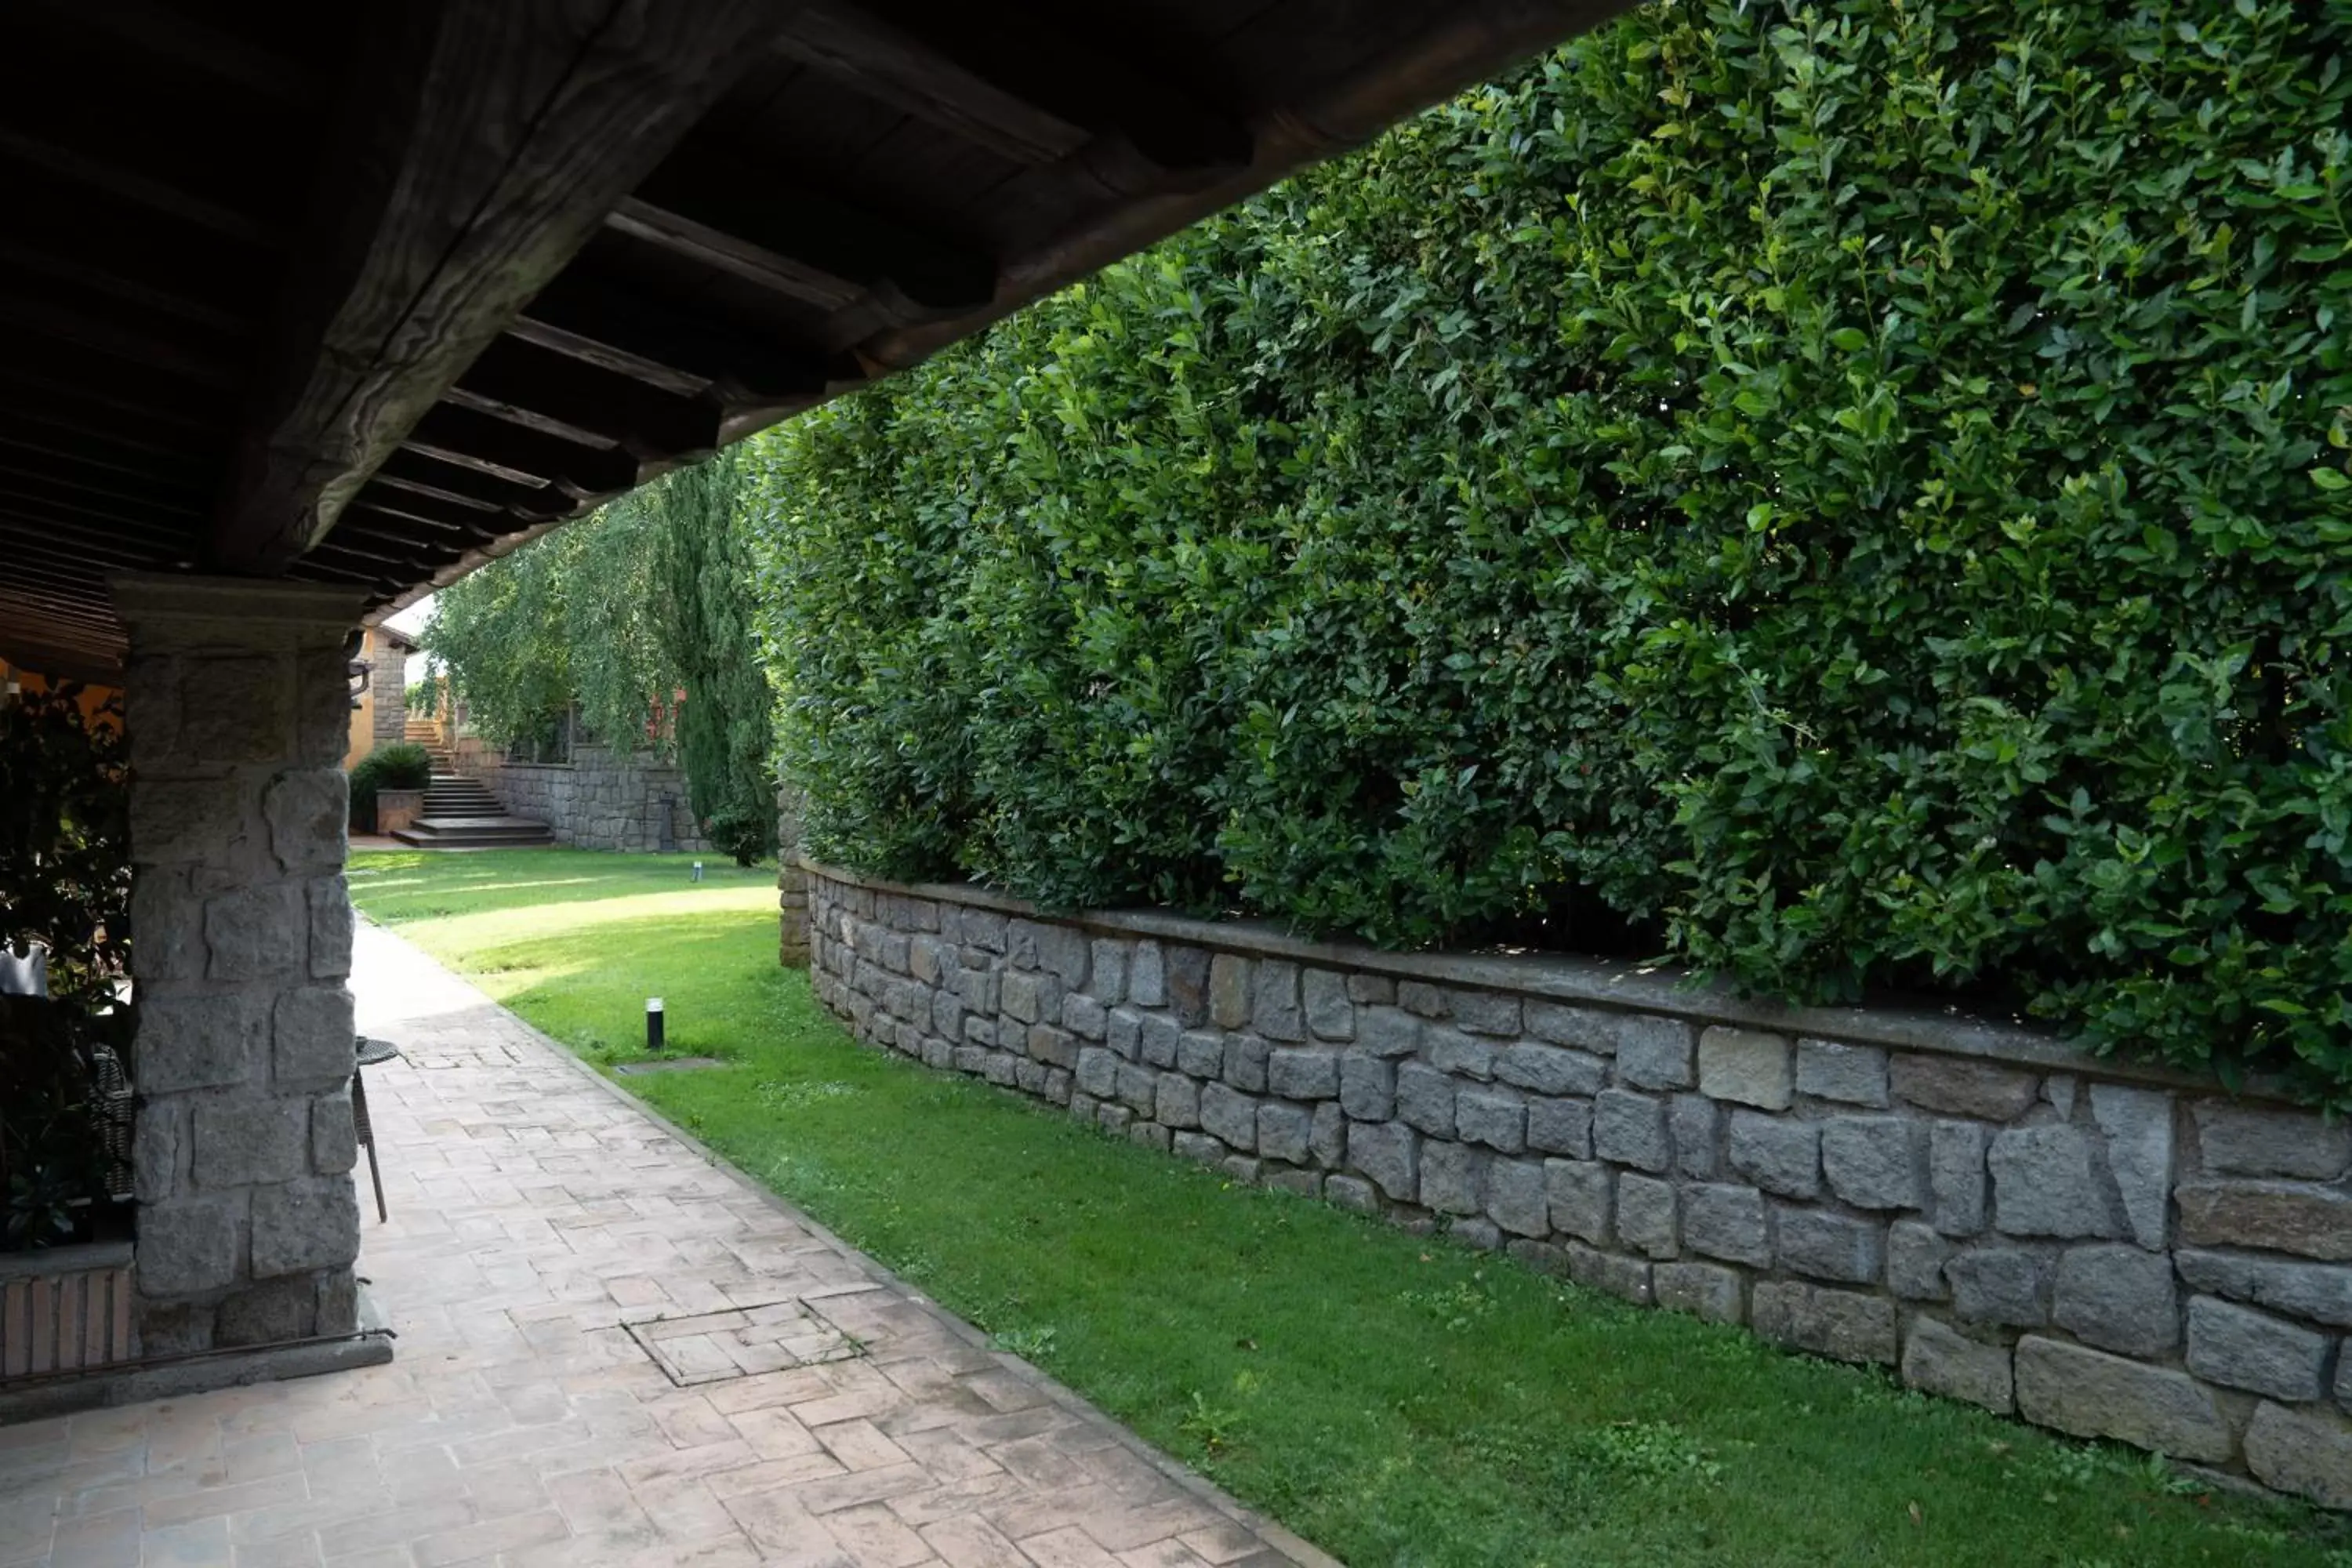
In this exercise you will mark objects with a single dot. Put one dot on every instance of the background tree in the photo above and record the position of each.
(620, 614)
(571, 618)
(725, 728)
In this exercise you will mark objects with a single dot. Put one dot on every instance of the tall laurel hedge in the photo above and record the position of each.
(1853, 494)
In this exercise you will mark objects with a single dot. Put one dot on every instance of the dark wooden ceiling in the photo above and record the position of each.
(368, 294)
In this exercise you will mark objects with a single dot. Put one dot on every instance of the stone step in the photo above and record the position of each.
(470, 832)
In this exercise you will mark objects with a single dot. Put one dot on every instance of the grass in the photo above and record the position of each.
(1398, 1401)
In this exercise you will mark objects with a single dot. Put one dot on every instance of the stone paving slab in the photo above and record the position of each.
(544, 1230)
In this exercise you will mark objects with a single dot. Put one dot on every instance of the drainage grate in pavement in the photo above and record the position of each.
(667, 1064)
(712, 1347)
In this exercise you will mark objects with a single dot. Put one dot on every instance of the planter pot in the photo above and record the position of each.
(64, 1309)
(397, 808)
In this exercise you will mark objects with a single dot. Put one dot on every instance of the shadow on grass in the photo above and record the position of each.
(413, 885)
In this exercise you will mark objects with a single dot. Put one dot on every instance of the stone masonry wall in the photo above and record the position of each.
(792, 883)
(238, 711)
(596, 801)
(2107, 1251)
(388, 684)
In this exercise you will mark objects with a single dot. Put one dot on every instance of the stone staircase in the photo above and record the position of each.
(460, 813)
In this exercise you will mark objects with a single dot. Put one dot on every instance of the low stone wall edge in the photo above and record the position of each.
(1620, 985)
(2046, 1234)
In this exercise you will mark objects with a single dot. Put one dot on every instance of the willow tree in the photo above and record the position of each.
(624, 614)
(703, 568)
(567, 620)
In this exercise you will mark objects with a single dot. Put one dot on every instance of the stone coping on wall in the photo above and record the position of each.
(48, 1261)
(1623, 984)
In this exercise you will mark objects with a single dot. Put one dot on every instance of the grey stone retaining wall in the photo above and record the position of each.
(2106, 1250)
(596, 801)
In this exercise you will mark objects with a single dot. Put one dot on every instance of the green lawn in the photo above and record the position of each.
(1397, 1401)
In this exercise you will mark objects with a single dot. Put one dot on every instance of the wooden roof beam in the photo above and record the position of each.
(892, 66)
(75, 516)
(388, 518)
(31, 538)
(437, 516)
(1031, 90)
(359, 527)
(76, 600)
(35, 643)
(482, 146)
(633, 333)
(182, 41)
(100, 496)
(534, 385)
(26, 452)
(520, 454)
(67, 263)
(738, 217)
(117, 339)
(138, 190)
(424, 475)
(50, 382)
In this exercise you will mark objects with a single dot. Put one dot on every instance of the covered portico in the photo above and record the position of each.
(364, 296)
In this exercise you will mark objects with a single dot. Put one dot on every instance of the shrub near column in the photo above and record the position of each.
(1855, 496)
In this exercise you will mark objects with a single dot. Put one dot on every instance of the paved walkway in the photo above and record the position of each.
(547, 1243)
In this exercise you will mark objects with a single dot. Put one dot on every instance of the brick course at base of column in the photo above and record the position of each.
(791, 899)
(238, 710)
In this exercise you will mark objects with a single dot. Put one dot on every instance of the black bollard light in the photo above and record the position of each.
(653, 1023)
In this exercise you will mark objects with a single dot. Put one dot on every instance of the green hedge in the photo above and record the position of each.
(1852, 495)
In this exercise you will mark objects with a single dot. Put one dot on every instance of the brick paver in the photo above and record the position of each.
(806, 1408)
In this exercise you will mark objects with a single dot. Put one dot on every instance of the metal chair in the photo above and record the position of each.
(369, 1053)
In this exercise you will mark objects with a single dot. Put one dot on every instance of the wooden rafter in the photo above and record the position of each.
(520, 454)
(892, 66)
(64, 264)
(424, 475)
(139, 190)
(174, 37)
(669, 343)
(485, 145)
(117, 339)
(709, 205)
(1136, 119)
(535, 386)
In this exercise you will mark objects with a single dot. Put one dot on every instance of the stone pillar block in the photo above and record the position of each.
(238, 711)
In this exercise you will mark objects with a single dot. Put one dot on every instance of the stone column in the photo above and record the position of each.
(238, 705)
(792, 882)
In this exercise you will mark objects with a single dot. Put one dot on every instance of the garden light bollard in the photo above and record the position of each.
(653, 1023)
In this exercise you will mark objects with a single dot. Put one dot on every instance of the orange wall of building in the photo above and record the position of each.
(93, 699)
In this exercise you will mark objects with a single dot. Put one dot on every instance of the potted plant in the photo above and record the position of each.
(388, 786)
(65, 1250)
